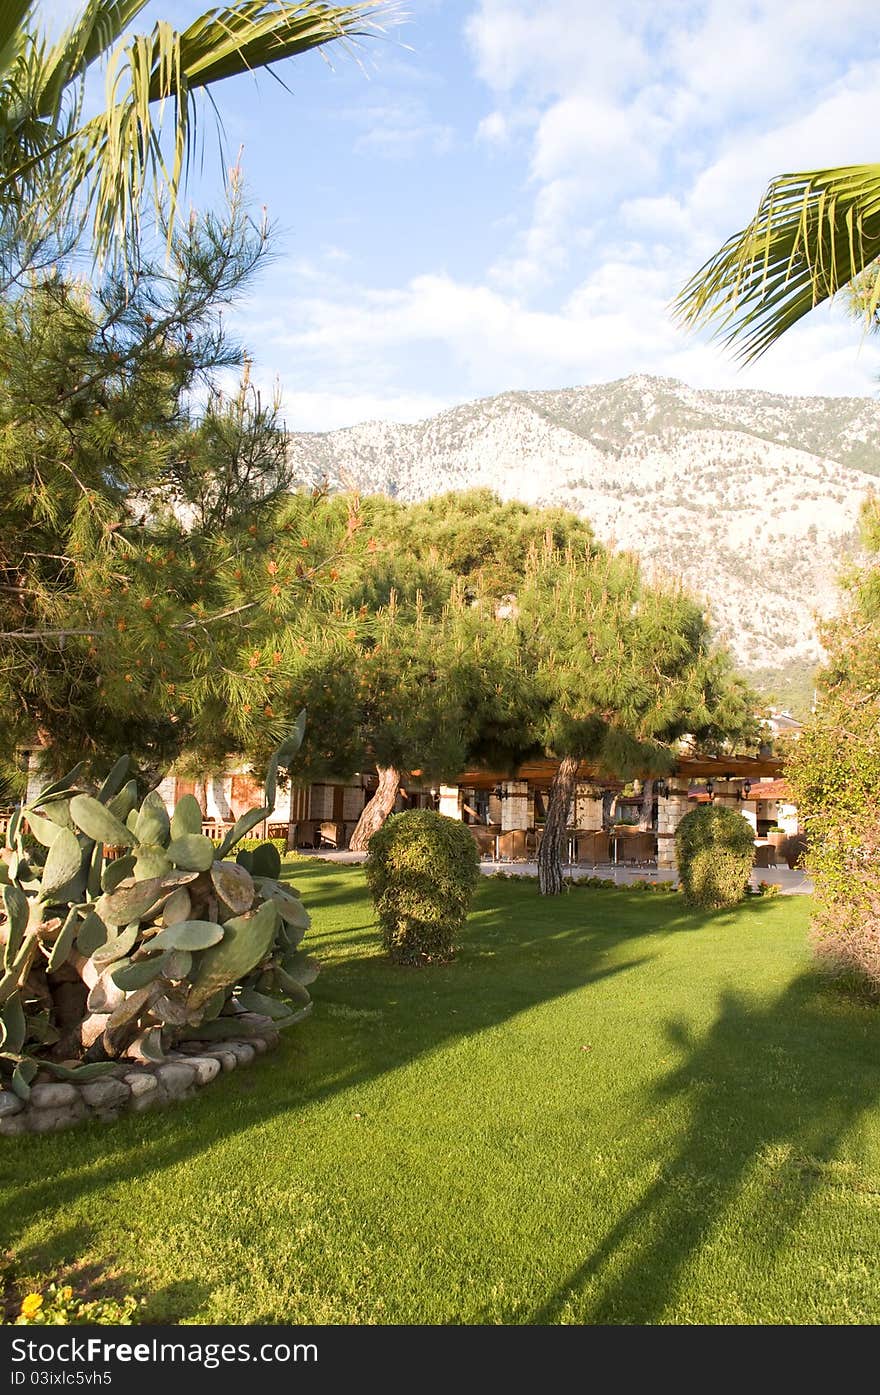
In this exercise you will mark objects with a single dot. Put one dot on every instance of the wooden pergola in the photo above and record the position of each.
(539, 773)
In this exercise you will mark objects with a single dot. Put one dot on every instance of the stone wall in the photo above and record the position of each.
(588, 809)
(352, 802)
(515, 805)
(322, 802)
(670, 813)
(131, 1087)
(450, 801)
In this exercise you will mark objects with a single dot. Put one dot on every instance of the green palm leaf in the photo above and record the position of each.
(116, 159)
(813, 234)
(14, 17)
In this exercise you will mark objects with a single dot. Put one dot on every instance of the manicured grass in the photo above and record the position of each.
(607, 1110)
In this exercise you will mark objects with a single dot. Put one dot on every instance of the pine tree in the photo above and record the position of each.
(622, 671)
(130, 619)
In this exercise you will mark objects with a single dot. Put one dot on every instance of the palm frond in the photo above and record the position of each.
(117, 158)
(14, 18)
(813, 234)
(91, 35)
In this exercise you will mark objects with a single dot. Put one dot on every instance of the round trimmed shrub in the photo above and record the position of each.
(422, 871)
(715, 851)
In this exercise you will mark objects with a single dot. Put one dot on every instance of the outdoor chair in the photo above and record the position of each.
(330, 834)
(307, 833)
(484, 839)
(593, 847)
(512, 845)
(637, 848)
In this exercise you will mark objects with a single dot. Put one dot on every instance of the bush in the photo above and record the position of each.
(835, 778)
(715, 850)
(422, 871)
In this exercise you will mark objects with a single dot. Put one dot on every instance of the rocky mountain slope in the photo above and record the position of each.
(752, 498)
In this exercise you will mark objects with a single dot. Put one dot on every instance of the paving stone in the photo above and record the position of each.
(205, 1067)
(51, 1120)
(15, 1123)
(150, 1101)
(177, 1077)
(53, 1096)
(105, 1094)
(141, 1083)
(10, 1104)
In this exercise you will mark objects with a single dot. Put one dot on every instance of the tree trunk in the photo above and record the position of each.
(647, 810)
(292, 823)
(377, 810)
(550, 852)
(608, 799)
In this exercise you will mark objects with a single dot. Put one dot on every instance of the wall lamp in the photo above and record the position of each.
(500, 793)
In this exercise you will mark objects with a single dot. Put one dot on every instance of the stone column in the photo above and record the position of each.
(515, 806)
(450, 801)
(167, 789)
(787, 818)
(588, 809)
(321, 805)
(352, 802)
(35, 780)
(670, 812)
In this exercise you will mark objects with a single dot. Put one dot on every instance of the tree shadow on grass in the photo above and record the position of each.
(776, 1090)
(58, 1259)
(371, 1018)
(529, 964)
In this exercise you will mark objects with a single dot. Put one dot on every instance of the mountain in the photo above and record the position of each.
(752, 498)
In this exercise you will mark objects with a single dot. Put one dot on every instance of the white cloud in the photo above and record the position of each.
(663, 216)
(837, 130)
(494, 128)
(606, 144)
(551, 47)
(675, 115)
(645, 134)
(326, 411)
(614, 323)
(400, 131)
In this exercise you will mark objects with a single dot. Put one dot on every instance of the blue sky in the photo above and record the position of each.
(507, 194)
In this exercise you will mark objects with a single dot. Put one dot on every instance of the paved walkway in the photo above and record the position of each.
(790, 883)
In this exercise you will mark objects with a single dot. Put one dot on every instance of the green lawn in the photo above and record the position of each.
(607, 1110)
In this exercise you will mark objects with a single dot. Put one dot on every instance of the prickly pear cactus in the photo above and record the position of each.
(107, 958)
